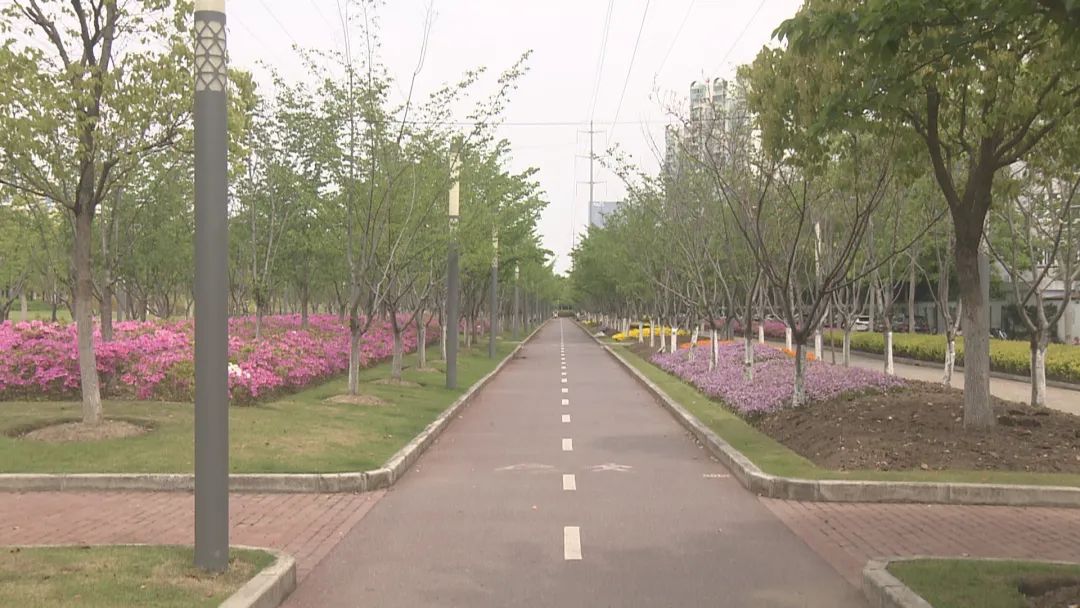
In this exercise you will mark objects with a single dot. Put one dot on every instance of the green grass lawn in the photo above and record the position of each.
(949, 583)
(105, 577)
(774, 458)
(299, 433)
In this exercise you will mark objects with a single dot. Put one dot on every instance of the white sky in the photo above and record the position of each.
(565, 36)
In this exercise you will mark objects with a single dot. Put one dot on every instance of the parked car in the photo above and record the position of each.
(862, 323)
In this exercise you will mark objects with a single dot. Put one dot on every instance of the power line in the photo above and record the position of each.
(678, 33)
(600, 62)
(278, 22)
(626, 82)
(741, 34)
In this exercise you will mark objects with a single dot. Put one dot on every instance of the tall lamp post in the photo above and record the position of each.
(516, 322)
(453, 281)
(494, 292)
(211, 290)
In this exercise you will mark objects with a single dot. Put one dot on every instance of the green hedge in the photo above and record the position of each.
(1009, 356)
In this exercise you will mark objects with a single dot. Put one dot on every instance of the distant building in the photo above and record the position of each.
(716, 107)
(600, 210)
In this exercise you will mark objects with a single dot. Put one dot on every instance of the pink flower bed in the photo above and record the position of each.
(154, 360)
(774, 377)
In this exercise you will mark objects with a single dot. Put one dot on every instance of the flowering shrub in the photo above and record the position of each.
(645, 333)
(773, 329)
(154, 360)
(774, 378)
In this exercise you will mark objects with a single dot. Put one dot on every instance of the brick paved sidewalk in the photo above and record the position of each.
(306, 526)
(847, 535)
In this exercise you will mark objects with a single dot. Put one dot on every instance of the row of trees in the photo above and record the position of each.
(880, 147)
(337, 198)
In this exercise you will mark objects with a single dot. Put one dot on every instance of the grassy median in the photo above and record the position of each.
(104, 577)
(301, 433)
(774, 458)
(958, 583)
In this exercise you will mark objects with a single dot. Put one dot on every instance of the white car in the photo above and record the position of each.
(862, 323)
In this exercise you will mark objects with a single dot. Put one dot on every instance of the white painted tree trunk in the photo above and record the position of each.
(847, 347)
(748, 356)
(652, 333)
(23, 313)
(674, 338)
(761, 333)
(817, 344)
(787, 337)
(890, 368)
(693, 343)
(354, 360)
(1038, 373)
(798, 395)
(421, 341)
(443, 345)
(715, 348)
(640, 332)
(950, 360)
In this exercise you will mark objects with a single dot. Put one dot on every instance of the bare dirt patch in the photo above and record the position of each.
(369, 400)
(392, 382)
(427, 370)
(1051, 591)
(921, 427)
(70, 431)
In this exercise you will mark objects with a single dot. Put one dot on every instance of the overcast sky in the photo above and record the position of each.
(681, 41)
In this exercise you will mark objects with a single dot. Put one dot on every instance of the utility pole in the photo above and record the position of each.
(592, 181)
(516, 322)
(211, 290)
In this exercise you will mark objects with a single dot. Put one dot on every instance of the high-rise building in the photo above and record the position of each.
(715, 108)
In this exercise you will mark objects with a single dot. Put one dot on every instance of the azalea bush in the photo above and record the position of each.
(153, 360)
(774, 378)
(645, 333)
(773, 329)
(1008, 356)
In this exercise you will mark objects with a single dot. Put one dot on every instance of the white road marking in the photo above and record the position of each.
(566, 402)
(567, 444)
(564, 373)
(526, 466)
(715, 475)
(571, 543)
(563, 380)
(565, 390)
(566, 417)
(569, 483)
(611, 466)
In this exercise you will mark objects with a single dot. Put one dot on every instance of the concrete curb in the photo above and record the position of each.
(268, 588)
(306, 483)
(883, 590)
(840, 490)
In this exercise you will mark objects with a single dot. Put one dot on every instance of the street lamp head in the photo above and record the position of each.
(210, 5)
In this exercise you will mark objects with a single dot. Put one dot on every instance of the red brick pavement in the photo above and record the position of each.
(305, 526)
(847, 535)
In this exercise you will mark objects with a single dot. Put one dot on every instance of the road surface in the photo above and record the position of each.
(564, 484)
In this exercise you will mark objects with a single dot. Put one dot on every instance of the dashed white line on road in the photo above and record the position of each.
(569, 483)
(566, 417)
(571, 543)
(566, 402)
(565, 390)
(564, 373)
(563, 380)
(567, 444)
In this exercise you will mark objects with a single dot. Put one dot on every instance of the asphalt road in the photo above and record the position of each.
(570, 489)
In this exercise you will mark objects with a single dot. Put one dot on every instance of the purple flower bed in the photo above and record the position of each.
(154, 360)
(774, 377)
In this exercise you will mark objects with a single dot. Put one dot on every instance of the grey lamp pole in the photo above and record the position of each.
(453, 282)
(211, 290)
(494, 293)
(517, 299)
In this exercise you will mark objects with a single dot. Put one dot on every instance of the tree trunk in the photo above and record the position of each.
(121, 304)
(399, 350)
(787, 337)
(817, 344)
(421, 341)
(971, 275)
(950, 358)
(305, 296)
(798, 395)
(640, 332)
(652, 332)
(761, 332)
(714, 346)
(1040, 340)
(911, 294)
(890, 368)
(84, 321)
(354, 355)
(693, 343)
(23, 312)
(847, 344)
